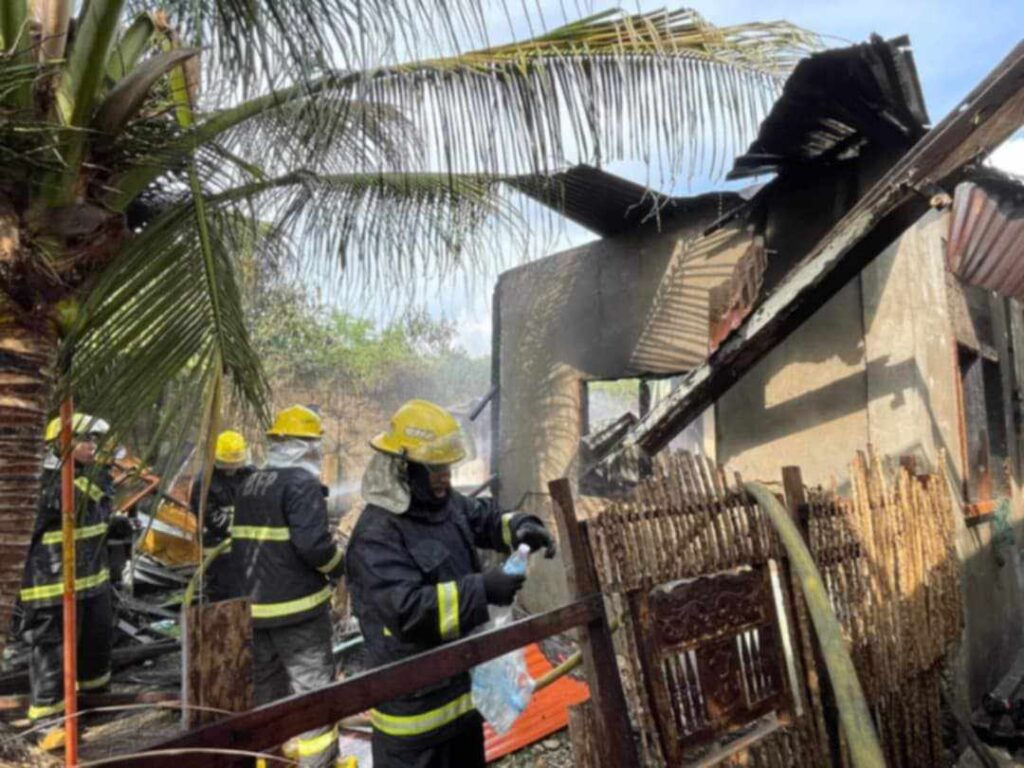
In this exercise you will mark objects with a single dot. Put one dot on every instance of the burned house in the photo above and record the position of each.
(918, 355)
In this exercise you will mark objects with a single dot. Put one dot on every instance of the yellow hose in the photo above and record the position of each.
(854, 716)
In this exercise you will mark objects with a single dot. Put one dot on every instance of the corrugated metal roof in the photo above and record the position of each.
(837, 100)
(986, 234)
(610, 205)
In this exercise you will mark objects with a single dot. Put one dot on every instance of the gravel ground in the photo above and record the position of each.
(552, 752)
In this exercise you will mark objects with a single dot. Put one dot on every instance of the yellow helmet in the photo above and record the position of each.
(297, 421)
(81, 424)
(424, 433)
(231, 449)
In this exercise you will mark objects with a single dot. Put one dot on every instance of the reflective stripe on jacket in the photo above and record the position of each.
(415, 582)
(220, 503)
(281, 541)
(43, 581)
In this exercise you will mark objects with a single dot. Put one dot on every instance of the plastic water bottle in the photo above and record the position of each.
(516, 563)
(502, 687)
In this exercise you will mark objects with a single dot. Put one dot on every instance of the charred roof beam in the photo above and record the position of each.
(989, 115)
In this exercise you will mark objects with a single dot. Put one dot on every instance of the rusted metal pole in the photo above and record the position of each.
(67, 527)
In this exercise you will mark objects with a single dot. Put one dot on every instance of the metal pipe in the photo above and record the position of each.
(854, 716)
(479, 407)
(67, 526)
(483, 486)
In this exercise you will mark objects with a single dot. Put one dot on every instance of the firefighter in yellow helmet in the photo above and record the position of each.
(230, 469)
(416, 581)
(42, 584)
(289, 560)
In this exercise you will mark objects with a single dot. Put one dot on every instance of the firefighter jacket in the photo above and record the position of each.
(220, 504)
(42, 583)
(415, 582)
(280, 539)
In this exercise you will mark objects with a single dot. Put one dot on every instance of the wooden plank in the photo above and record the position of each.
(990, 114)
(218, 660)
(267, 726)
(585, 750)
(614, 733)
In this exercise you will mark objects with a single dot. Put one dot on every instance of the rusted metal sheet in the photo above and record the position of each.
(711, 655)
(986, 236)
(685, 562)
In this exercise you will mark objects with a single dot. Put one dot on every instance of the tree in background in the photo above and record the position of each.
(142, 148)
(306, 346)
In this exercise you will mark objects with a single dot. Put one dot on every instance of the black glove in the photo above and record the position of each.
(531, 531)
(500, 588)
(119, 528)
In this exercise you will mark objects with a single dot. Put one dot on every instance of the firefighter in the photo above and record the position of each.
(289, 561)
(416, 581)
(230, 469)
(43, 585)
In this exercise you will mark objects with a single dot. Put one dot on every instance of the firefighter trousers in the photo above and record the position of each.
(463, 750)
(44, 632)
(296, 659)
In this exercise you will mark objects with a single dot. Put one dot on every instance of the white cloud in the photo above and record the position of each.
(1009, 156)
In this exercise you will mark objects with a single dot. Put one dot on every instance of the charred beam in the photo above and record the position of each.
(267, 726)
(990, 114)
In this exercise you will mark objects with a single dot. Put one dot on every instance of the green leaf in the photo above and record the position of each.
(129, 49)
(129, 93)
(78, 90)
(15, 38)
(13, 15)
(163, 312)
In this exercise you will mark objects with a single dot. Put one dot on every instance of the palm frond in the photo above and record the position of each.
(331, 134)
(79, 88)
(384, 230)
(168, 313)
(159, 311)
(666, 84)
(257, 43)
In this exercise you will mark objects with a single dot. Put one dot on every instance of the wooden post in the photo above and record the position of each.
(585, 750)
(67, 515)
(821, 700)
(611, 718)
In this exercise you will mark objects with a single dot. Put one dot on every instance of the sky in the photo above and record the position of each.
(955, 44)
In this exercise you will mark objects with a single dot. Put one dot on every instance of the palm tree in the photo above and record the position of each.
(141, 148)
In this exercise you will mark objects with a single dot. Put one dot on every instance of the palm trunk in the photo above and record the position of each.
(28, 347)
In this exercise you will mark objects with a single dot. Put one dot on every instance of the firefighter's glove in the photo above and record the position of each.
(119, 528)
(500, 588)
(532, 532)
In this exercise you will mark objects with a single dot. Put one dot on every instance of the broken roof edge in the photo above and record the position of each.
(812, 121)
(610, 205)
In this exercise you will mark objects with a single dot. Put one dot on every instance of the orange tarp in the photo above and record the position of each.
(546, 714)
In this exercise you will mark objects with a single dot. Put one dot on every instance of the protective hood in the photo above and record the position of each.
(295, 452)
(386, 483)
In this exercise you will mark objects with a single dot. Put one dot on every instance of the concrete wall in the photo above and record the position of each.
(876, 365)
(570, 317)
(873, 366)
